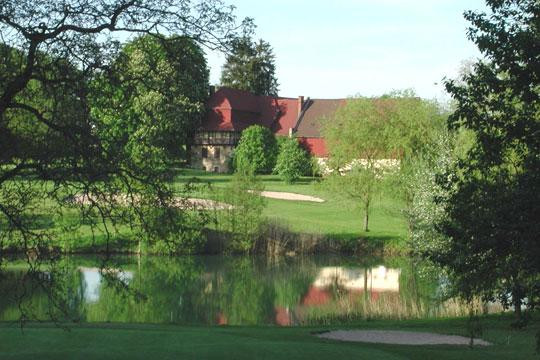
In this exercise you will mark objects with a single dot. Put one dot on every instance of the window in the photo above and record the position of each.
(216, 169)
(204, 152)
(216, 153)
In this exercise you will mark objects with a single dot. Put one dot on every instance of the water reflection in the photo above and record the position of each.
(93, 279)
(230, 290)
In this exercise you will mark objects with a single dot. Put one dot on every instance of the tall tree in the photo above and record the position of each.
(250, 66)
(166, 108)
(56, 53)
(492, 216)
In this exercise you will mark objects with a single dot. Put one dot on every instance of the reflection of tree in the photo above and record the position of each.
(29, 294)
(226, 290)
(246, 296)
(166, 287)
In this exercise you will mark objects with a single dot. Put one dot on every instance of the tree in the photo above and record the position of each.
(166, 108)
(242, 220)
(250, 67)
(381, 141)
(356, 138)
(56, 147)
(415, 133)
(292, 161)
(492, 216)
(256, 151)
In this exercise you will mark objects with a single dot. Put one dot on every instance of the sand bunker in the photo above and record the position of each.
(184, 203)
(399, 337)
(290, 196)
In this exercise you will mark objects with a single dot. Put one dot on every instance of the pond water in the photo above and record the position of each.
(219, 290)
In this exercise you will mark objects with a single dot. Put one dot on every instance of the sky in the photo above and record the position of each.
(341, 48)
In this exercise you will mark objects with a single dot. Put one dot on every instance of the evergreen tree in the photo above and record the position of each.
(250, 67)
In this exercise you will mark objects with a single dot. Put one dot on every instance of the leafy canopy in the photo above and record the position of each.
(369, 139)
(257, 150)
(69, 144)
(155, 97)
(292, 161)
(493, 214)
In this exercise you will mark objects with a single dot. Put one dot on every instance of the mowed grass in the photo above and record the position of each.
(337, 217)
(133, 341)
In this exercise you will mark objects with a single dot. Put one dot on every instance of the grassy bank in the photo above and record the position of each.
(336, 217)
(132, 341)
(336, 223)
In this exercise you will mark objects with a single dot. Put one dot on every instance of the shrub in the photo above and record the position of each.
(256, 151)
(243, 219)
(292, 161)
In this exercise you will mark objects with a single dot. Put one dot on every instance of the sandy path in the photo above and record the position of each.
(290, 196)
(399, 337)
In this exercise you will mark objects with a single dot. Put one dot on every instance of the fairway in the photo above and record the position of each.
(337, 217)
(114, 341)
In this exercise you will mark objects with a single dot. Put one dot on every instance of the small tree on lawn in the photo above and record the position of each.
(257, 150)
(292, 161)
(357, 139)
(243, 218)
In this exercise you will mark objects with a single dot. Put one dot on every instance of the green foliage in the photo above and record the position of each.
(493, 211)
(429, 196)
(242, 219)
(250, 67)
(173, 231)
(159, 114)
(292, 161)
(382, 140)
(257, 150)
(357, 138)
(88, 127)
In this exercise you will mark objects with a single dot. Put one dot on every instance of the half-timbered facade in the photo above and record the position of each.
(230, 111)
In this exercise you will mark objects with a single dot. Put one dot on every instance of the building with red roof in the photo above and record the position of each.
(230, 111)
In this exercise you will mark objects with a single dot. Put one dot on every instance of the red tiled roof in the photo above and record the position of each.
(235, 110)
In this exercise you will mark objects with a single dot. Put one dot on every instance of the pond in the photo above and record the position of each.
(221, 290)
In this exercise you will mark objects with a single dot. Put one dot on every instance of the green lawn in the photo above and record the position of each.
(116, 341)
(337, 217)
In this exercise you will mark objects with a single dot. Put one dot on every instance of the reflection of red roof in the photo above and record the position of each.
(221, 319)
(316, 296)
(283, 317)
(235, 110)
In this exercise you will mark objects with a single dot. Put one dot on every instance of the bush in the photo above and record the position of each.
(292, 161)
(243, 219)
(256, 151)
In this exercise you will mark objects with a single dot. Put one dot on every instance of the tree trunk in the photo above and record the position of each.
(517, 306)
(366, 216)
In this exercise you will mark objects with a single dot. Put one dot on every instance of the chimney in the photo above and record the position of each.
(300, 104)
